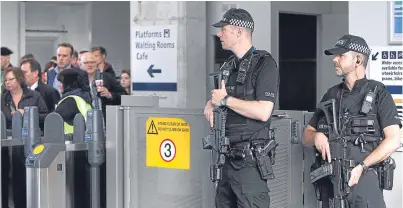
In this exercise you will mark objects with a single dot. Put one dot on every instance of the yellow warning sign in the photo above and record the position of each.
(167, 143)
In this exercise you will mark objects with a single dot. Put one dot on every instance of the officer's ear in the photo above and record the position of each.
(359, 60)
(239, 32)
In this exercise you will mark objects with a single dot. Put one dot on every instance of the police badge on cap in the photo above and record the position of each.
(237, 17)
(349, 43)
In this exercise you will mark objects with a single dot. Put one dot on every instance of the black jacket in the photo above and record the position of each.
(29, 98)
(114, 88)
(67, 109)
(49, 94)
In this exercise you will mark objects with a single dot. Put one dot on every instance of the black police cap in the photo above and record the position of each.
(237, 17)
(6, 51)
(349, 43)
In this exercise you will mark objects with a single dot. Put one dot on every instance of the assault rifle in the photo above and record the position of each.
(339, 168)
(217, 141)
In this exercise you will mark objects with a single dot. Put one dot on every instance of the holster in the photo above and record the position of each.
(385, 174)
(265, 158)
(265, 167)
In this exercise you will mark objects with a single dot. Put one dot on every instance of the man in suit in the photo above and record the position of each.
(64, 56)
(32, 73)
(104, 91)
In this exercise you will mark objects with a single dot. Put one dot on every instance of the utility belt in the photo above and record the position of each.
(385, 171)
(263, 152)
(367, 143)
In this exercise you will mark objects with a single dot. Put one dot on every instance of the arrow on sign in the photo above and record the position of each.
(374, 56)
(151, 71)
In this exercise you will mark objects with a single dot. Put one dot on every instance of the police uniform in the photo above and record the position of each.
(363, 130)
(253, 77)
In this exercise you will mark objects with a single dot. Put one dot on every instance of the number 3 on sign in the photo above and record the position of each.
(167, 150)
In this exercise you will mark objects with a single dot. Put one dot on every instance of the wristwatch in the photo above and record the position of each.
(364, 167)
(223, 102)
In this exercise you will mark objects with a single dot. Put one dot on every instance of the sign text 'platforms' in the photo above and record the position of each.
(154, 56)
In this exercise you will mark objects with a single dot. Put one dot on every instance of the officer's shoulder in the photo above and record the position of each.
(378, 84)
(333, 90)
(265, 56)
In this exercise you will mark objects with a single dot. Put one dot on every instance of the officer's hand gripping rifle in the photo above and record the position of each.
(339, 168)
(217, 140)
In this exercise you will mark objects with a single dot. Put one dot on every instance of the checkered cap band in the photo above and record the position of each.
(359, 48)
(240, 23)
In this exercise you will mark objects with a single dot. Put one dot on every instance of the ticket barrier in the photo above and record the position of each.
(50, 179)
(155, 158)
(24, 131)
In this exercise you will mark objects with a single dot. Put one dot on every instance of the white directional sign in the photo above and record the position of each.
(154, 59)
(386, 66)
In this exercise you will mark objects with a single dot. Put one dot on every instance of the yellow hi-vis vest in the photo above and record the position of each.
(82, 106)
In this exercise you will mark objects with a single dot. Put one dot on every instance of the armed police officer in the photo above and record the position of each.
(367, 126)
(248, 92)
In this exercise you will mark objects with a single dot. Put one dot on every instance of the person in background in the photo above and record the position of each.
(107, 93)
(48, 67)
(5, 159)
(100, 56)
(74, 60)
(16, 98)
(5, 63)
(27, 56)
(76, 99)
(79, 57)
(125, 80)
(64, 55)
(32, 72)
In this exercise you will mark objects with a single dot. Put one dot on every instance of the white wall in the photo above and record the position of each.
(111, 30)
(72, 17)
(11, 28)
(364, 23)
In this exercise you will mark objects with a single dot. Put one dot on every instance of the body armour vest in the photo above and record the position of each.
(240, 84)
(362, 130)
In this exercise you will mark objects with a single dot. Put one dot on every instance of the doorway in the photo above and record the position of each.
(297, 61)
(43, 48)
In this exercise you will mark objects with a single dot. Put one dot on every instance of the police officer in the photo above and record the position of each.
(371, 122)
(249, 94)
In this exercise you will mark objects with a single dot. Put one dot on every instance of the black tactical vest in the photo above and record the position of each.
(241, 84)
(362, 130)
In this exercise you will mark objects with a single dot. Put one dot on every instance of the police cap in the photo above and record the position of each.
(237, 17)
(349, 43)
(6, 51)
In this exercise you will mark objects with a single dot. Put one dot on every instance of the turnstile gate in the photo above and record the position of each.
(49, 177)
(24, 132)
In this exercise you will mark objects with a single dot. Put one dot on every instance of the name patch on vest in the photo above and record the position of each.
(269, 94)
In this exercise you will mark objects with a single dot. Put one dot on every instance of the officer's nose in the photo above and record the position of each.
(219, 34)
(336, 59)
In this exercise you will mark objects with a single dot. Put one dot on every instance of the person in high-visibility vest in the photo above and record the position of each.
(76, 97)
